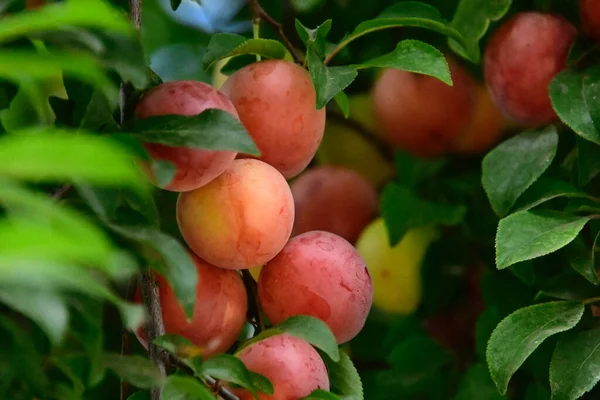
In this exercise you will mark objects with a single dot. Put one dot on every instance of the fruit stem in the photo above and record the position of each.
(253, 305)
(591, 300)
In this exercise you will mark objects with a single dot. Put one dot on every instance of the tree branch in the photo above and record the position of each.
(260, 14)
(253, 306)
(62, 191)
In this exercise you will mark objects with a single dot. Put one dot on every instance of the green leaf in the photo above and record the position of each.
(91, 109)
(179, 268)
(402, 210)
(45, 308)
(328, 81)
(228, 368)
(546, 189)
(408, 14)
(472, 19)
(519, 334)
(528, 234)
(224, 45)
(413, 56)
(510, 168)
(62, 155)
(415, 170)
(417, 356)
(212, 129)
(320, 395)
(575, 365)
(175, 344)
(313, 331)
(163, 171)
(344, 380)
(583, 259)
(137, 370)
(140, 395)
(175, 4)
(314, 38)
(343, 103)
(261, 383)
(590, 86)
(476, 383)
(588, 161)
(185, 388)
(91, 14)
(566, 94)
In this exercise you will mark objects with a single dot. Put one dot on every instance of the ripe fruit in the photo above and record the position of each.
(333, 199)
(241, 219)
(219, 312)
(276, 101)
(421, 114)
(345, 147)
(521, 59)
(194, 167)
(292, 365)
(589, 11)
(318, 274)
(395, 270)
(486, 127)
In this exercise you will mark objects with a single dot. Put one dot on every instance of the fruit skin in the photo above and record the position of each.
(219, 312)
(486, 127)
(333, 199)
(194, 167)
(521, 59)
(318, 274)
(292, 365)
(345, 147)
(421, 114)
(240, 220)
(589, 11)
(395, 270)
(276, 102)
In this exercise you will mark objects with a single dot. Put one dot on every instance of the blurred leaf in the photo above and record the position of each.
(91, 109)
(343, 103)
(328, 81)
(89, 13)
(525, 271)
(510, 168)
(546, 189)
(590, 91)
(320, 395)
(344, 380)
(583, 259)
(181, 61)
(528, 234)
(486, 323)
(261, 383)
(137, 370)
(61, 155)
(225, 45)
(575, 365)
(86, 328)
(27, 109)
(314, 38)
(414, 170)
(179, 270)
(402, 210)
(45, 308)
(566, 94)
(407, 13)
(413, 56)
(477, 383)
(472, 19)
(185, 388)
(588, 161)
(522, 332)
(226, 367)
(212, 129)
(313, 331)
(140, 395)
(416, 357)
(567, 285)
(175, 4)
(178, 345)
(536, 392)
(163, 172)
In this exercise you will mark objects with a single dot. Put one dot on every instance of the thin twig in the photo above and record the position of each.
(253, 306)
(224, 393)
(62, 191)
(260, 14)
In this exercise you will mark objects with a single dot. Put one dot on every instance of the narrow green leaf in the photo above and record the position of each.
(413, 56)
(402, 210)
(224, 45)
(137, 370)
(321, 395)
(314, 38)
(583, 259)
(173, 343)
(476, 383)
(90, 14)
(510, 168)
(228, 368)
(328, 81)
(575, 365)
(472, 19)
(344, 380)
(566, 94)
(185, 388)
(45, 308)
(519, 334)
(62, 155)
(591, 91)
(546, 189)
(528, 234)
(212, 129)
(312, 330)
(343, 103)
